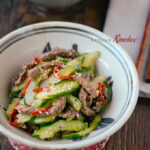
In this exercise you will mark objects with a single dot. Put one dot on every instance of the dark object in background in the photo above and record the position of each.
(56, 4)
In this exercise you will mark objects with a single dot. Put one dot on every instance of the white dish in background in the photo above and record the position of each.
(23, 44)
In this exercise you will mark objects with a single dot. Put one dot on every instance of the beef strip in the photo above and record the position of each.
(21, 77)
(85, 84)
(57, 108)
(29, 65)
(97, 105)
(85, 109)
(38, 69)
(98, 102)
(34, 72)
(71, 113)
(20, 95)
(52, 63)
(105, 92)
(59, 52)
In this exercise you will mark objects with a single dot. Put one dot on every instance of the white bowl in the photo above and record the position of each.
(23, 44)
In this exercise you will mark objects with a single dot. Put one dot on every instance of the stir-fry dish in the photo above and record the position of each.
(59, 95)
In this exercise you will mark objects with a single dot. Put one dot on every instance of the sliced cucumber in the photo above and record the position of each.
(49, 131)
(74, 102)
(11, 107)
(85, 60)
(67, 70)
(53, 80)
(43, 75)
(80, 134)
(61, 59)
(43, 120)
(96, 80)
(29, 95)
(38, 103)
(62, 88)
(18, 88)
(90, 59)
(23, 118)
(44, 83)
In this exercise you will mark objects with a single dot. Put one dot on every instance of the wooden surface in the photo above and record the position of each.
(135, 134)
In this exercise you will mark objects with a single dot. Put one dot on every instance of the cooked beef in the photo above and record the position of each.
(98, 102)
(21, 77)
(105, 92)
(67, 113)
(57, 108)
(14, 80)
(36, 70)
(71, 113)
(24, 109)
(86, 85)
(29, 65)
(97, 105)
(89, 101)
(90, 76)
(85, 109)
(59, 52)
(52, 63)
(20, 95)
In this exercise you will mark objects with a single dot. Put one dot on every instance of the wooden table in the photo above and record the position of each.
(135, 134)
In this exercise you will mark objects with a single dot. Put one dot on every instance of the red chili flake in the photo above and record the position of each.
(49, 74)
(11, 122)
(41, 110)
(45, 89)
(100, 93)
(25, 87)
(56, 70)
(36, 61)
(39, 61)
(27, 76)
(60, 77)
(65, 77)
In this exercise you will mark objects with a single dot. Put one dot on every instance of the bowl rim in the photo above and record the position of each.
(107, 133)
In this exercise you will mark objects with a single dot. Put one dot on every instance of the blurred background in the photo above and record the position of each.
(127, 18)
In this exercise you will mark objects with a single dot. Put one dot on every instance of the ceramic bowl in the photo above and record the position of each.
(23, 44)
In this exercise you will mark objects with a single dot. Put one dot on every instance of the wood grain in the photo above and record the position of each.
(135, 134)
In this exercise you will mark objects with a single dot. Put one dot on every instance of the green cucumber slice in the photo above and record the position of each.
(29, 95)
(61, 59)
(17, 88)
(94, 83)
(62, 88)
(23, 118)
(85, 60)
(53, 80)
(43, 120)
(11, 107)
(49, 131)
(80, 134)
(74, 102)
